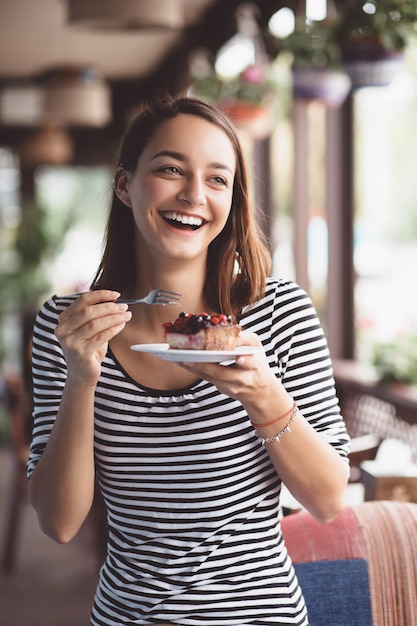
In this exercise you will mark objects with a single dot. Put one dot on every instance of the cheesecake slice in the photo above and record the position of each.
(201, 331)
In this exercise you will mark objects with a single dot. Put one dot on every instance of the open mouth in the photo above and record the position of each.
(186, 222)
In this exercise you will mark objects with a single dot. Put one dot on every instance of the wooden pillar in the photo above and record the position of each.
(262, 187)
(340, 322)
(301, 193)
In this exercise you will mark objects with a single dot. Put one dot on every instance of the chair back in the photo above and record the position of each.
(361, 568)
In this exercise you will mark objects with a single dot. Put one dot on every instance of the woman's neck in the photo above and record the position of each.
(187, 278)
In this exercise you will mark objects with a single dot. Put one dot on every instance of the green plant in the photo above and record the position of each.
(312, 44)
(320, 44)
(396, 361)
(23, 273)
(23, 281)
(391, 22)
(253, 85)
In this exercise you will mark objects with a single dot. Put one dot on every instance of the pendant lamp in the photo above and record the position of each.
(126, 14)
(76, 97)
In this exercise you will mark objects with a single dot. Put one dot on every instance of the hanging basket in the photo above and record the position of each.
(257, 120)
(370, 64)
(331, 87)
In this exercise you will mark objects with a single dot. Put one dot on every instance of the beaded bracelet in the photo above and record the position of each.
(276, 419)
(282, 432)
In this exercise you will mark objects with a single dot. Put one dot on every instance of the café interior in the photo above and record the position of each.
(323, 96)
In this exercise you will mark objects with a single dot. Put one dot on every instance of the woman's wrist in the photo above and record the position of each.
(272, 408)
(80, 384)
(276, 437)
(275, 420)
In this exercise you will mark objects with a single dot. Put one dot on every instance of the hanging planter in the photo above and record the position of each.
(257, 120)
(316, 69)
(330, 87)
(249, 97)
(370, 64)
(364, 40)
(372, 37)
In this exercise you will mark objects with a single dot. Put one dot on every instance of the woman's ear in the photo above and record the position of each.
(121, 185)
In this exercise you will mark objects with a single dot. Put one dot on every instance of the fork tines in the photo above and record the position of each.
(173, 294)
(168, 297)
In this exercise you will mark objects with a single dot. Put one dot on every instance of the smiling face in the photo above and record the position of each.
(181, 190)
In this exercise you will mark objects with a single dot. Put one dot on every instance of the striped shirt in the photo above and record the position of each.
(192, 496)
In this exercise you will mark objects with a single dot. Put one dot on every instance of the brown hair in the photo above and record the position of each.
(239, 245)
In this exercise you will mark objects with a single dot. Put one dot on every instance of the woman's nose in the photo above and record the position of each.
(192, 192)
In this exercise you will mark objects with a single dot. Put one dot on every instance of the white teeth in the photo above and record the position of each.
(183, 219)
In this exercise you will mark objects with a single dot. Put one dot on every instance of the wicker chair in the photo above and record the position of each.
(360, 569)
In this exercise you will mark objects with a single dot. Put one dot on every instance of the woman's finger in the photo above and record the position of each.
(246, 338)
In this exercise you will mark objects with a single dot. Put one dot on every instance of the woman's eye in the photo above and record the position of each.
(170, 169)
(219, 180)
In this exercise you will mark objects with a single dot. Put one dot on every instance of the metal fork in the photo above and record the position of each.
(157, 296)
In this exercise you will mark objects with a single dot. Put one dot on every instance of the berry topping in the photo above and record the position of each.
(191, 323)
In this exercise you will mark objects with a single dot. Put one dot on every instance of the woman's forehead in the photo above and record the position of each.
(195, 136)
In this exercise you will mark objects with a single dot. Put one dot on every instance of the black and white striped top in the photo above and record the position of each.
(192, 497)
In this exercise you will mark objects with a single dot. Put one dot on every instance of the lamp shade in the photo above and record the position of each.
(126, 14)
(77, 97)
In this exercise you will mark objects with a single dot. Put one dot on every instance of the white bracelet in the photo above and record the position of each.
(282, 432)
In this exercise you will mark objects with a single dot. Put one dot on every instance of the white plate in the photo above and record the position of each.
(162, 351)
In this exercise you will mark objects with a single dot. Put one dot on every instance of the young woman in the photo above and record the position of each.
(191, 486)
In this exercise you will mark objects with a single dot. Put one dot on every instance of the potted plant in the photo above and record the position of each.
(372, 37)
(316, 64)
(396, 361)
(249, 98)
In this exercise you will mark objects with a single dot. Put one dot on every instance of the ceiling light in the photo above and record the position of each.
(316, 9)
(76, 96)
(126, 14)
(234, 57)
(244, 48)
(282, 23)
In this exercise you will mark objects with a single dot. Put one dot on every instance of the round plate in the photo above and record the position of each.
(162, 351)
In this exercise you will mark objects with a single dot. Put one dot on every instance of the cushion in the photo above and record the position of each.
(336, 592)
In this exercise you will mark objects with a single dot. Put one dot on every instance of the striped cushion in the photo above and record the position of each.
(308, 540)
(389, 530)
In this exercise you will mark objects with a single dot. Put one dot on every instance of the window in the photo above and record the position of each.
(385, 229)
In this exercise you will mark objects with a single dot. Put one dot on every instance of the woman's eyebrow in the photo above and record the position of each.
(170, 153)
(221, 166)
(178, 156)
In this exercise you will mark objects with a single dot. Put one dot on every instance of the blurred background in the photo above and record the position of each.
(324, 97)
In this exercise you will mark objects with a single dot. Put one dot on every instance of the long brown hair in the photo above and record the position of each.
(238, 260)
